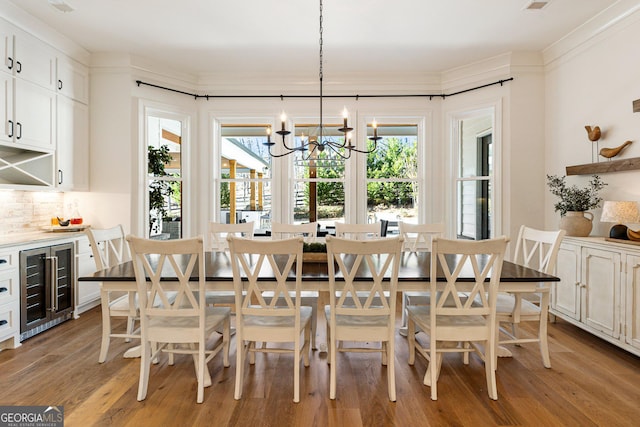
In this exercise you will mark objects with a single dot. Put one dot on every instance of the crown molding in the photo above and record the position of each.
(621, 12)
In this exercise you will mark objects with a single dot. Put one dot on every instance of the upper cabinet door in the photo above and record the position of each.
(73, 80)
(7, 128)
(34, 60)
(34, 114)
(6, 44)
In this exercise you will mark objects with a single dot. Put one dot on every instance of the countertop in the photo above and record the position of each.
(36, 237)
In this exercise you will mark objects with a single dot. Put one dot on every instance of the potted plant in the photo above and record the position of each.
(314, 252)
(574, 202)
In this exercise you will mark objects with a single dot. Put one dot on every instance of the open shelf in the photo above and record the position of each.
(26, 167)
(605, 167)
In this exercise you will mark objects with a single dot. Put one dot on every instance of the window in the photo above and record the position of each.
(475, 176)
(244, 183)
(164, 176)
(318, 189)
(392, 175)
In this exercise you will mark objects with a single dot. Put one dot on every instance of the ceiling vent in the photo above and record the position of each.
(536, 5)
(61, 5)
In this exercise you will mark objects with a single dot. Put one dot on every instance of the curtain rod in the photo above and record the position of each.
(282, 97)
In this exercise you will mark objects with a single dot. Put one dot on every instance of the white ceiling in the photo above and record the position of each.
(266, 37)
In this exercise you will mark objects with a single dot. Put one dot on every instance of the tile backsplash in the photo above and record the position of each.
(28, 211)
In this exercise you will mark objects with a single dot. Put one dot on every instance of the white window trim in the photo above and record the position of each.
(140, 221)
(424, 152)
(453, 118)
(214, 167)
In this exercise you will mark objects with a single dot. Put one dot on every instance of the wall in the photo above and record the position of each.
(594, 83)
(28, 211)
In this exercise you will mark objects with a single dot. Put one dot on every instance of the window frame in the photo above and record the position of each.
(424, 151)
(495, 179)
(216, 123)
(169, 112)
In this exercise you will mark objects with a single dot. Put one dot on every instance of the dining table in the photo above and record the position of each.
(413, 275)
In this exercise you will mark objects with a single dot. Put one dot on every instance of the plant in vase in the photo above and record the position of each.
(314, 252)
(574, 202)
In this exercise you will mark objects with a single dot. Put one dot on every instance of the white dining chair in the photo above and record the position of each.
(109, 248)
(261, 318)
(218, 232)
(536, 249)
(281, 230)
(217, 242)
(417, 238)
(309, 231)
(461, 314)
(362, 311)
(358, 231)
(174, 316)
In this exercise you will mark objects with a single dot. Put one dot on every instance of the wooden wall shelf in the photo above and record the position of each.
(605, 166)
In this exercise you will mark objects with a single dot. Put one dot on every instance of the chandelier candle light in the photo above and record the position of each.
(316, 145)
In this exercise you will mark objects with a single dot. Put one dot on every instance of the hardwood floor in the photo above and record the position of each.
(591, 383)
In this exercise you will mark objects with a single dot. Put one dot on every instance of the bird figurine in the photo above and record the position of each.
(593, 133)
(612, 152)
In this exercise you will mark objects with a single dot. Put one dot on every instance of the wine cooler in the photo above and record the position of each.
(46, 280)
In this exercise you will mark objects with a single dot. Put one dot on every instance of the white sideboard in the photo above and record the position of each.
(599, 289)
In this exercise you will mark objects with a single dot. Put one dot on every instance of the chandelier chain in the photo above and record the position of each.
(321, 42)
(321, 144)
(321, 74)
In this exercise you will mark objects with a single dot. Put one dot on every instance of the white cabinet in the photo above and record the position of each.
(73, 80)
(9, 300)
(44, 135)
(87, 293)
(599, 289)
(632, 301)
(30, 103)
(565, 295)
(73, 145)
(27, 57)
(28, 114)
(34, 116)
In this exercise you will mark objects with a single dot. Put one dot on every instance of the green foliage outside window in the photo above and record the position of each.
(158, 158)
(394, 160)
(225, 192)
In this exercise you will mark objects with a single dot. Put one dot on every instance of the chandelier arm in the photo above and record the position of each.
(302, 147)
(335, 150)
(363, 151)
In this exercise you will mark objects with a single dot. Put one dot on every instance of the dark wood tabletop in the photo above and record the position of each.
(414, 267)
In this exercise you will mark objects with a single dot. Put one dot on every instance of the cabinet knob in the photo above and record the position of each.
(3, 322)
(18, 66)
(10, 129)
(3, 289)
(10, 63)
(60, 177)
(59, 84)
(19, 126)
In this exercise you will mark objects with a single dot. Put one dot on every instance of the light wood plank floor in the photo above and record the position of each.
(592, 383)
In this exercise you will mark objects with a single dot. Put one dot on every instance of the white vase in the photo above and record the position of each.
(577, 224)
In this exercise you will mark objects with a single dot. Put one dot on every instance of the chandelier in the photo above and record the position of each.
(322, 142)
